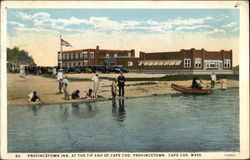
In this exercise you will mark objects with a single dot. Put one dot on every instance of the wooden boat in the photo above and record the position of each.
(190, 90)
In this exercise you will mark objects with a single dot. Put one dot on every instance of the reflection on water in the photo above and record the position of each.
(83, 111)
(64, 113)
(118, 114)
(35, 108)
(166, 123)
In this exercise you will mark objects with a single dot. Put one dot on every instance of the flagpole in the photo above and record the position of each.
(61, 51)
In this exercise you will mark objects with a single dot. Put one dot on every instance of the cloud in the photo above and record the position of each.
(24, 16)
(192, 27)
(36, 30)
(222, 18)
(216, 30)
(43, 19)
(236, 29)
(190, 21)
(16, 23)
(41, 15)
(229, 25)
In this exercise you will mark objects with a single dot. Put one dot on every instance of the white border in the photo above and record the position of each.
(244, 65)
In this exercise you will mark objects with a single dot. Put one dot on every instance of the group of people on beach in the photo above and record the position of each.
(120, 82)
(197, 83)
(92, 92)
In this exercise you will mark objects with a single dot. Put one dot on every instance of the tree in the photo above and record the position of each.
(14, 52)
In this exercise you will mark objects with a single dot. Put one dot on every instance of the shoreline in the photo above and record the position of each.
(109, 99)
(18, 88)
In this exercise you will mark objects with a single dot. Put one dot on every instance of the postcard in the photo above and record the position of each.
(124, 80)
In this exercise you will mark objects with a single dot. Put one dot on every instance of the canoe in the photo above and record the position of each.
(190, 90)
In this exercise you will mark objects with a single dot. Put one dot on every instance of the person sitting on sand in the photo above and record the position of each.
(196, 83)
(33, 97)
(89, 94)
(75, 95)
(114, 88)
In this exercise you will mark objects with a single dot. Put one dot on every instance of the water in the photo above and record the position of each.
(167, 123)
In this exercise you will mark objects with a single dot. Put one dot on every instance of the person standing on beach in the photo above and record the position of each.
(60, 79)
(121, 84)
(22, 71)
(95, 80)
(65, 83)
(223, 84)
(54, 71)
(213, 80)
(114, 89)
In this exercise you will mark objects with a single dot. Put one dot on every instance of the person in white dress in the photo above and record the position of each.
(95, 80)
(213, 80)
(60, 79)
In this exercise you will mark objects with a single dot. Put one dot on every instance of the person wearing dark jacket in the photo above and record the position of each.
(75, 94)
(121, 84)
(196, 83)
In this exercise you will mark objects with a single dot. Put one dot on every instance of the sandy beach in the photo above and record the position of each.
(18, 88)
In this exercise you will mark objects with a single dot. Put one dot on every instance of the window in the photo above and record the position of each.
(85, 63)
(129, 54)
(187, 63)
(63, 56)
(72, 56)
(77, 56)
(115, 55)
(212, 65)
(85, 54)
(92, 54)
(107, 55)
(59, 56)
(130, 63)
(198, 63)
(227, 63)
(207, 65)
(217, 65)
(81, 55)
(67, 56)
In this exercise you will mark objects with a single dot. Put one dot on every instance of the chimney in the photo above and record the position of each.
(132, 52)
(97, 47)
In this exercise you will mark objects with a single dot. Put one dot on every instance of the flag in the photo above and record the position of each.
(65, 43)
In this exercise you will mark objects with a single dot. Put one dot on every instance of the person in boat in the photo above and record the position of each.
(89, 94)
(33, 98)
(75, 95)
(196, 83)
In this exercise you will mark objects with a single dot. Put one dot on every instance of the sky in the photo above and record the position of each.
(149, 30)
